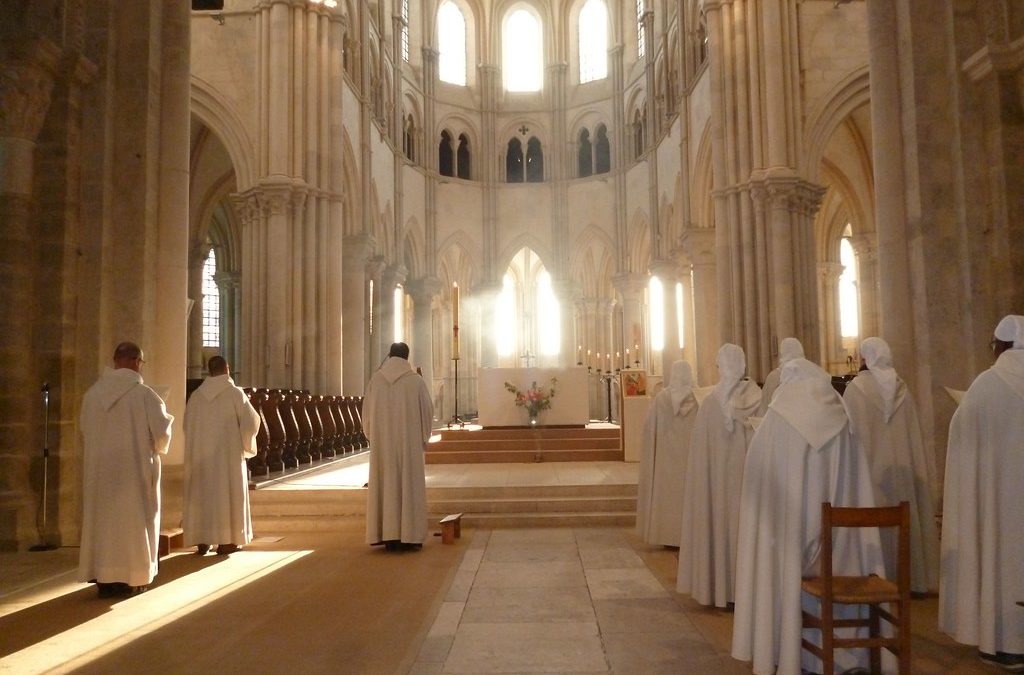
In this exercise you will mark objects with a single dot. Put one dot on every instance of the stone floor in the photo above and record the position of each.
(585, 600)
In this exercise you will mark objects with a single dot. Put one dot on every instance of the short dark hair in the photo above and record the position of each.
(126, 351)
(217, 365)
(399, 349)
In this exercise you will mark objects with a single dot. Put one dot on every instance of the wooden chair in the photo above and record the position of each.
(873, 591)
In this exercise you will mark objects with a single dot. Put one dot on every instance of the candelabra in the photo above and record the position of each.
(607, 378)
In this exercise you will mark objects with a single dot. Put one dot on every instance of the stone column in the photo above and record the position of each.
(631, 288)
(354, 287)
(197, 258)
(699, 245)
(865, 249)
(833, 357)
(566, 290)
(25, 90)
(486, 296)
(375, 350)
(667, 272)
(227, 287)
(424, 291)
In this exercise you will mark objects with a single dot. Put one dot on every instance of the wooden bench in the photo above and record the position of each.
(451, 528)
(170, 538)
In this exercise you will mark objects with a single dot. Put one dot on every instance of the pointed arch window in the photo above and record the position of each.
(211, 302)
(514, 162)
(408, 136)
(522, 51)
(584, 155)
(602, 151)
(444, 155)
(534, 161)
(593, 38)
(462, 157)
(451, 44)
(528, 314)
(638, 133)
(849, 295)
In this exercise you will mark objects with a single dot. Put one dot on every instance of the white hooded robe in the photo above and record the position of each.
(983, 512)
(220, 433)
(790, 348)
(126, 428)
(801, 455)
(397, 415)
(901, 469)
(711, 489)
(659, 504)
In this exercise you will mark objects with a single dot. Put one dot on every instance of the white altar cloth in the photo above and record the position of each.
(497, 406)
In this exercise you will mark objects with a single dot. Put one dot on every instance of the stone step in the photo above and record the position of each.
(485, 507)
(483, 455)
(491, 434)
(513, 444)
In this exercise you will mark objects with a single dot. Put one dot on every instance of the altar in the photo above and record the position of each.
(497, 408)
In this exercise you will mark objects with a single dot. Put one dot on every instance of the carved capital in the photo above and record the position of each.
(865, 246)
(630, 286)
(357, 248)
(699, 245)
(424, 289)
(26, 83)
(829, 272)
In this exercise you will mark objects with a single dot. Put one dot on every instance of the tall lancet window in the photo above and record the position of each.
(641, 41)
(680, 319)
(514, 162)
(534, 161)
(527, 317)
(399, 314)
(451, 44)
(584, 155)
(211, 303)
(593, 36)
(405, 30)
(522, 51)
(849, 295)
(656, 297)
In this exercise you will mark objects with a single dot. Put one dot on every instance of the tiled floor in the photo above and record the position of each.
(560, 600)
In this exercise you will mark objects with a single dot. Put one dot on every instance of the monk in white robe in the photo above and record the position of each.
(220, 433)
(789, 349)
(397, 416)
(711, 490)
(659, 507)
(983, 509)
(802, 454)
(126, 428)
(885, 423)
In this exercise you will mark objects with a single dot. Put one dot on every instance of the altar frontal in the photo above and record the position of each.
(569, 405)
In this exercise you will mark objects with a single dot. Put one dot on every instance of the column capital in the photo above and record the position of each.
(375, 267)
(865, 246)
(25, 88)
(784, 187)
(424, 289)
(630, 286)
(357, 247)
(666, 269)
(830, 272)
(394, 274)
(699, 245)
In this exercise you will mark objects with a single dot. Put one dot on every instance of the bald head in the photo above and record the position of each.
(128, 355)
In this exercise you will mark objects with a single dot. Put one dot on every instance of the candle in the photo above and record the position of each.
(579, 354)
(608, 362)
(455, 321)
(588, 358)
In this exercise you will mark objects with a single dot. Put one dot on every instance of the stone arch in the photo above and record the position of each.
(217, 113)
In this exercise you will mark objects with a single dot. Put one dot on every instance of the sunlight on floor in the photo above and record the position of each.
(134, 617)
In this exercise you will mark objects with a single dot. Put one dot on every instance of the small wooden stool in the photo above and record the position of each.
(170, 538)
(451, 528)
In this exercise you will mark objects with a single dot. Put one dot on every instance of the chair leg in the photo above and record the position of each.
(874, 631)
(827, 636)
(904, 637)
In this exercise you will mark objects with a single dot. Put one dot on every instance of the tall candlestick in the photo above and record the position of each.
(588, 358)
(455, 320)
(579, 354)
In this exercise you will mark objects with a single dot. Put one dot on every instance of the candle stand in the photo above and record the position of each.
(456, 421)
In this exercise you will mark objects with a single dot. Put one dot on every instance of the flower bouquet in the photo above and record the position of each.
(533, 399)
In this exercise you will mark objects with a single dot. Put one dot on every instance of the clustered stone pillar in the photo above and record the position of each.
(699, 245)
(354, 286)
(424, 292)
(24, 99)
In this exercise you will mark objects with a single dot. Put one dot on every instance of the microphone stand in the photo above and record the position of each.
(43, 545)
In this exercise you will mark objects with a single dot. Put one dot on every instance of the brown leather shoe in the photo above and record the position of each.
(225, 549)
